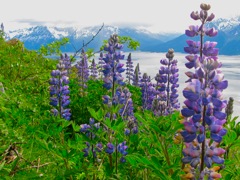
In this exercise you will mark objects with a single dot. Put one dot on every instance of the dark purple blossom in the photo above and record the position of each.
(110, 148)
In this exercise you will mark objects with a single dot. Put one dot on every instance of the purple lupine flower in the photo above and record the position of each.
(89, 130)
(86, 150)
(110, 148)
(93, 70)
(127, 131)
(59, 90)
(148, 91)
(204, 104)
(112, 68)
(99, 147)
(122, 97)
(136, 76)
(100, 66)
(193, 47)
(84, 127)
(167, 82)
(66, 61)
(83, 71)
(211, 32)
(129, 69)
(193, 31)
(122, 149)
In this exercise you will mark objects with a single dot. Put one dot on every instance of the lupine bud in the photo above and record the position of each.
(136, 76)
(129, 70)
(229, 108)
(205, 7)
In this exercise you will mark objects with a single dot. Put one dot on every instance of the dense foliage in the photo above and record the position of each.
(59, 121)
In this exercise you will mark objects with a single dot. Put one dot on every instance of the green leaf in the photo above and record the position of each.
(93, 113)
(155, 127)
(232, 136)
(131, 160)
(76, 127)
(100, 114)
(155, 160)
(2, 165)
(107, 122)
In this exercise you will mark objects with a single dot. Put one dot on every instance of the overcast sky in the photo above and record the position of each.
(155, 15)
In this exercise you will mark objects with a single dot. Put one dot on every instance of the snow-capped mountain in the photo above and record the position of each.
(228, 37)
(34, 37)
(225, 25)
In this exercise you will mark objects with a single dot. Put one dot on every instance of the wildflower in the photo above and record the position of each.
(129, 69)
(110, 148)
(83, 71)
(59, 89)
(167, 80)
(204, 101)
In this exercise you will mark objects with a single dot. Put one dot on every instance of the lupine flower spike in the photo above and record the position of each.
(59, 91)
(112, 68)
(167, 83)
(136, 76)
(129, 70)
(83, 71)
(204, 104)
(93, 70)
(148, 91)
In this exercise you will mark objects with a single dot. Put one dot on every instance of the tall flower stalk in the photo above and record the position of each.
(112, 69)
(93, 70)
(204, 101)
(59, 91)
(83, 71)
(167, 84)
(136, 76)
(129, 69)
(148, 91)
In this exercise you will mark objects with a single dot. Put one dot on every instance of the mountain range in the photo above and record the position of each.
(228, 37)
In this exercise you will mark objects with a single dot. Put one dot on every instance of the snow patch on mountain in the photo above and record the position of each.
(226, 24)
(58, 33)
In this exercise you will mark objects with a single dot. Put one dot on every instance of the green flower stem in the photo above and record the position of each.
(165, 152)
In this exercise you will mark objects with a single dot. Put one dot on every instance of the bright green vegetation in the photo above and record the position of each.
(36, 145)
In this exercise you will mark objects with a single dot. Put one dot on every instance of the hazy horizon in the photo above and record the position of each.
(153, 15)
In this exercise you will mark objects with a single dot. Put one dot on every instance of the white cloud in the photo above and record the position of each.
(158, 15)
